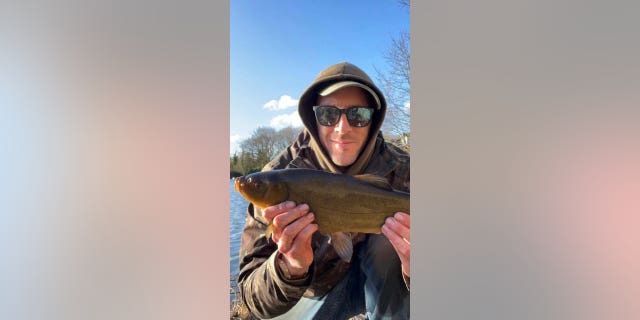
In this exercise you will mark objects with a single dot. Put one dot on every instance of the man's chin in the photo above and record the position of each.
(342, 162)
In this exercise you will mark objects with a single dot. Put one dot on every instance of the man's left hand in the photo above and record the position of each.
(397, 230)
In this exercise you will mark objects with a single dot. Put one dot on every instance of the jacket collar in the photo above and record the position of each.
(382, 161)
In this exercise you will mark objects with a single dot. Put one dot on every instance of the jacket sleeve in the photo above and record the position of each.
(263, 289)
(400, 180)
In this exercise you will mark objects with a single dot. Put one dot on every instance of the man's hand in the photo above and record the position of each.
(397, 230)
(292, 231)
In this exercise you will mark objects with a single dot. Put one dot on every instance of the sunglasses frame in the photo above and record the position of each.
(345, 111)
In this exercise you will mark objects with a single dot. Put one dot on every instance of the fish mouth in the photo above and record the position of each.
(238, 183)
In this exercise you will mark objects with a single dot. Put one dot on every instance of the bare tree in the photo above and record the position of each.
(261, 147)
(396, 84)
(285, 137)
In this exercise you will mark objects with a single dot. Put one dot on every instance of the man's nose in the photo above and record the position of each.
(343, 124)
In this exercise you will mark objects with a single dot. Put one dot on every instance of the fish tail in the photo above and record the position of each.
(269, 231)
(341, 242)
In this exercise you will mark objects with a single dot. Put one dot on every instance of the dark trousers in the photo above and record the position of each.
(373, 287)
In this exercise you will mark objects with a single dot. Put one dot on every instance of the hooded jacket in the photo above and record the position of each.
(263, 289)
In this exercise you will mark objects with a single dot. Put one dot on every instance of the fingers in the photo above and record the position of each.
(271, 212)
(293, 232)
(403, 248)
(400, 224)
(302, 241)
(288, 221)
(284, 219)
(403, 218)
(300, 254)
(397, 230)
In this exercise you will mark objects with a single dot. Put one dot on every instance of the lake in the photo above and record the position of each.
(238, 207)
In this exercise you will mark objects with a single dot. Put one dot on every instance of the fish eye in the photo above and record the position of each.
(254, 182)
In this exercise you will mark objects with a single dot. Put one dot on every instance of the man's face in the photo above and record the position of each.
(342, 141)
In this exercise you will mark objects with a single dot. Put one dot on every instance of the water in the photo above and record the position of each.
(238, 208)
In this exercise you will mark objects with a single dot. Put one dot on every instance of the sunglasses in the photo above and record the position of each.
(330, 115)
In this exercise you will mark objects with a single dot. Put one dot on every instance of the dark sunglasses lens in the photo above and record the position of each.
(359, 116)
(327, 116)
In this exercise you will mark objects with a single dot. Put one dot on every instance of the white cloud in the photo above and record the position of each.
(285, 102)
(285, 120)
(407, 107)
(233, 143)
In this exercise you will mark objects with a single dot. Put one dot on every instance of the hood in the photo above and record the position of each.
(343, 71)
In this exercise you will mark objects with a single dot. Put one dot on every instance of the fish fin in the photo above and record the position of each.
(269, 231)
(341, 242)
(375, 180)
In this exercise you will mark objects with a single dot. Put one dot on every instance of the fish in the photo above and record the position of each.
(342, 204)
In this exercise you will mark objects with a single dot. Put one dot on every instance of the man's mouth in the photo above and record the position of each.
(342, 142)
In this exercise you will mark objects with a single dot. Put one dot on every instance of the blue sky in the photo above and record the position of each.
(278, 47)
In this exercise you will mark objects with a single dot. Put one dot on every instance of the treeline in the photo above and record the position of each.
(265, 143)
(257, 150)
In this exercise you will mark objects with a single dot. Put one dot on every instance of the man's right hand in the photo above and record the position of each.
(292, 231)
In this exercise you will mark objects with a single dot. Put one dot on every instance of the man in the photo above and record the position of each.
(297, 274)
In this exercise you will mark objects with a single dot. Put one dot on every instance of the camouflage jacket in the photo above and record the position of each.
(265, 292)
